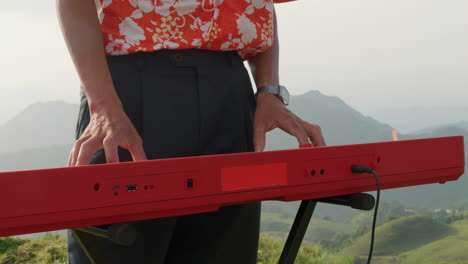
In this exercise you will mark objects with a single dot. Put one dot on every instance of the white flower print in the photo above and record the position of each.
(170, 44)
(269, 6)
(232, 44)
(106, 3)
(132, 32)
(247, 29)
(204, 28)
(167, 44)
(117, 47)
(137, 14)
(196, 43)
(249, 10)
(216, 13)
(134, 3)
(261, 4)
(235, 44)
(196, 23)
(184, 7)
(162, 8)
(145, 6)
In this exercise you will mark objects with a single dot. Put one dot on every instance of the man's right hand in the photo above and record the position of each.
(108, 128)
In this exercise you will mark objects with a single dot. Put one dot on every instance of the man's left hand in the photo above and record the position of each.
(272, 113)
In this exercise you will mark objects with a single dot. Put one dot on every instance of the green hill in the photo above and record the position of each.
(401, 235)
(319, 231)
(449, 250)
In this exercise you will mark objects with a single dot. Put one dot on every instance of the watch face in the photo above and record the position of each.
(283, 92)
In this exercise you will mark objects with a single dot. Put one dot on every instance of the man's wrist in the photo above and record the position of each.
(277, 90)
(104, 105)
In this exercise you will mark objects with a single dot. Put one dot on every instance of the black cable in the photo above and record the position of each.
(362, 169)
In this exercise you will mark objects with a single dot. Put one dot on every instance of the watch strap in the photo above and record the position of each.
(276, 90)
(273, 89)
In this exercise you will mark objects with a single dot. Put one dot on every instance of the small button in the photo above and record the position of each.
(178, 57)
(189, 183)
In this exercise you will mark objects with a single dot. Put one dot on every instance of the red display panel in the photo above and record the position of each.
(71, 197)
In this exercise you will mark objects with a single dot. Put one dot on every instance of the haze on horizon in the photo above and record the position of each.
(376, 55)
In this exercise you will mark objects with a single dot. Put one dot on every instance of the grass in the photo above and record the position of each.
(9, 243)
(401, 235)
(47, 249)
(319, 229)
(449, 250)
(270, 251)
(51, 249)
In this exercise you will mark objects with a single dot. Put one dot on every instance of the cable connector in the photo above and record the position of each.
(361, 169)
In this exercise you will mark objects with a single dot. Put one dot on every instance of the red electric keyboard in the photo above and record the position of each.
(72, 197)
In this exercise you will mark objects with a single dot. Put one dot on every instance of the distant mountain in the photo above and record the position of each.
(40, 158)
(463, 125)
(39, 125)
(413, 119)
(53, 123)
(453, 126)
(340, 123)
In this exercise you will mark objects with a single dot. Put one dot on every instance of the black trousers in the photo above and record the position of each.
(183, 103)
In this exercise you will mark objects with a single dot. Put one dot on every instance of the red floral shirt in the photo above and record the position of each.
(130, 26)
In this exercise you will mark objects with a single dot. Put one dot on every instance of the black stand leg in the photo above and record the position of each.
(122, 234)
(359, 201)
(89, 246)
(298, 229)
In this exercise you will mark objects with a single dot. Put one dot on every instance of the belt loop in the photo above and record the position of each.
(230, 56)
(140, 60)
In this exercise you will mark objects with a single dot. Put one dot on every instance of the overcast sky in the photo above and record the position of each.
(372, 53)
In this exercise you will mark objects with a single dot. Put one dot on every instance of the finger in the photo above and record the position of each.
(87, 149)
(70, 158)
(110, 150)
(315, 134)
(295, 129)
(76, 150)
(259, 138)
(136, 150)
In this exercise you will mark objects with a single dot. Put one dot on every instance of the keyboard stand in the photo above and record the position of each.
(87, 243)
(125, 234)
(359, 201)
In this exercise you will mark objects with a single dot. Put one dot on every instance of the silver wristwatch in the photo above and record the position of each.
(277, 90)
